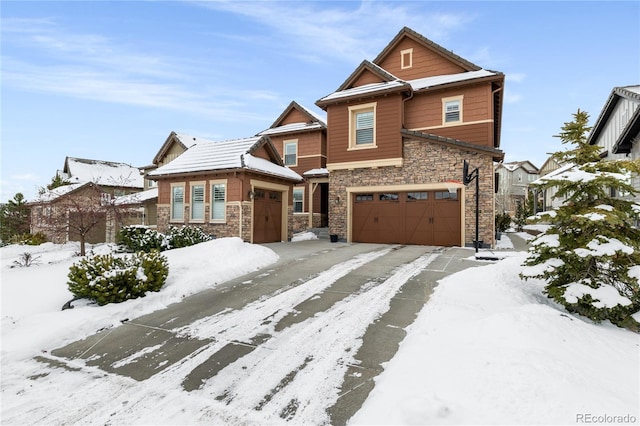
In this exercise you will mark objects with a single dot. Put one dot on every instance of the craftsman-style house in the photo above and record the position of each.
(514, 179)
(300, 136)
(399, 129)
(236, 188)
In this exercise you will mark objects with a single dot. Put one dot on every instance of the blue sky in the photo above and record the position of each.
(111, 80)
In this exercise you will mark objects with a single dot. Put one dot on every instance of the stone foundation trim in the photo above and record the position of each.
(440, 186)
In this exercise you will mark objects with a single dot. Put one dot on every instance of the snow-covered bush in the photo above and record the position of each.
(186, 236)
(589, 256)
(140, 238)
(109, 279)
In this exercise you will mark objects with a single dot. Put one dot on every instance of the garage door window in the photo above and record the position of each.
(446, 195)
(364, 197)
(389, 197)
(413, 196)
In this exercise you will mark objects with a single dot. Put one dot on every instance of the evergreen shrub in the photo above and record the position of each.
(140, 238)
(186, 236)
(108, 279)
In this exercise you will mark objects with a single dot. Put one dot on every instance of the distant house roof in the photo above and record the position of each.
(205, 156)
(105, 173)
(632, 128)
(526, 165)
(55, 193)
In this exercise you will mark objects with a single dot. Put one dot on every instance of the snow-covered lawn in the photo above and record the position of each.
(487, 348)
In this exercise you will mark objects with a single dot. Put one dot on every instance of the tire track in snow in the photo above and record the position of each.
(319, 350)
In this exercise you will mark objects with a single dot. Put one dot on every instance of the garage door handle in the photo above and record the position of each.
(266, 218)
(375, 220)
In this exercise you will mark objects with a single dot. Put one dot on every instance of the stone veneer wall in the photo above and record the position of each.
(220, 230)
(424, 163)
(301, 221)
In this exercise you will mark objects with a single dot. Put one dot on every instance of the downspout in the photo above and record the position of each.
(493, 94)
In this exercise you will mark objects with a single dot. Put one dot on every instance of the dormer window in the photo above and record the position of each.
(406, 58)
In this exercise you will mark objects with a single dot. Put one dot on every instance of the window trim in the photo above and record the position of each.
(445, 101)
(293, 196)
(403, 54)
(353, 112)
(172, 218)
(284, 151)
(193, 185)
(212, 184)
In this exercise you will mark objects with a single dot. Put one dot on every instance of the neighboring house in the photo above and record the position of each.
(514, 179)
(399, 129)
(236, 188)
(62, 212)
(550, 168)
(300, 136)
(142, 207)
(617, 129)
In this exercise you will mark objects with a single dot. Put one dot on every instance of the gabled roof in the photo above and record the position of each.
(105, 173)
(184, 141)
(315, 121)
(497, 154)
(55, 193)
(408, 32)
(209, 156)
(136, 198)
(632, 127)
(367, 66)
(525, 165)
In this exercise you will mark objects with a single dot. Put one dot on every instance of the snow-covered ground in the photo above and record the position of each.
(487, 348)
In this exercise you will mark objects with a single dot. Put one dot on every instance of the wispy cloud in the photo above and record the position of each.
(90, 66)
(316, 31)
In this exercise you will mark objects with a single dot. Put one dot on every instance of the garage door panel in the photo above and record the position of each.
(267, 217)
(425, 218)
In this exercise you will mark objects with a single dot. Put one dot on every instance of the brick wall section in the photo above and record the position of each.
(301, 221)
(424, 163)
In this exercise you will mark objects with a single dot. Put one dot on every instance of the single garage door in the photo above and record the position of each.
(267, 216)
(421, 217)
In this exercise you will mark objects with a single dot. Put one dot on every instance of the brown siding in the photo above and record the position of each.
(294, 116)
(426, 63)
(388, 125)
(261, 153)
(367, 77)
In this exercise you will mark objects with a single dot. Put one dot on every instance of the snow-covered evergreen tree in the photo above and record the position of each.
(590, 256)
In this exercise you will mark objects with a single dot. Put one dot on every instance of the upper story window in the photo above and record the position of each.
(291, 153)
(218, 201)
(197, 201)
(362, 126)
(406, 58)
(151, 183)
(177, 202)
(452, 110)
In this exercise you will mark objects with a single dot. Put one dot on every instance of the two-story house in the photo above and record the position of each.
(399, 129)
(300, 136)
(86, 202)
(514, 179)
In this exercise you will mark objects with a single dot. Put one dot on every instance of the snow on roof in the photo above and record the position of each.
(188, 140)
(231, 154)
(365, 89)
(265, 166)
(437, 80)
(316, 172)
(314, 114)
(106, 173)
(417, 84)
(56, 193)
(292, 127)
(136, 198)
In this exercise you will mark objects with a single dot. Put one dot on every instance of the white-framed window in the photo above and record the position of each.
(218, 201)
(105, 198)
(177, 202)
(362, 126)
(452, 110)
(291, 153)
(406, 58)
(298, 200)
(151, 183)
(197, 201)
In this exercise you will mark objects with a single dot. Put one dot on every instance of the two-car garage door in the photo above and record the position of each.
(419, 217)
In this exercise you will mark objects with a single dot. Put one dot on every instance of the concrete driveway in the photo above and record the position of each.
(325, 317)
